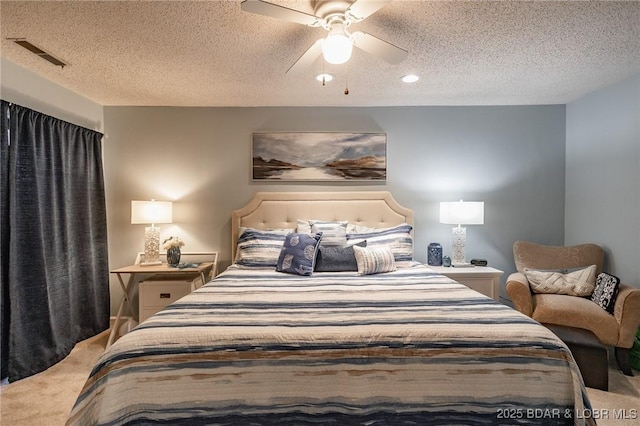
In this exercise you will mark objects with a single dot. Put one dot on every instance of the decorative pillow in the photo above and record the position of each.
(398, 238)
(337, 259)
(374, 260)
(354, 228)
(298, 253)
(606, 291)
(333, 233)
(258, 248)
(303, 226)
(577, 283)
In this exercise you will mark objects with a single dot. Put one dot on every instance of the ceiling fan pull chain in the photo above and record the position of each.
(346, 81)
(324, 75)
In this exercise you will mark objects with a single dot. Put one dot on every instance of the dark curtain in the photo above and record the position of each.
(55, 275)
(4, 231)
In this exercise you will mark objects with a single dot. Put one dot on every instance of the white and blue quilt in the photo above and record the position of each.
(410, 347)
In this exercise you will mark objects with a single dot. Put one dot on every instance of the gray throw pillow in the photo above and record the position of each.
(336, 258)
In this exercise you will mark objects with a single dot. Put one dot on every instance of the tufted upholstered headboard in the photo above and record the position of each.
(271, 210)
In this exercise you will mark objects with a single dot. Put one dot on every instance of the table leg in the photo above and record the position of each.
(125, 297)
(203, 278)
(116, 324)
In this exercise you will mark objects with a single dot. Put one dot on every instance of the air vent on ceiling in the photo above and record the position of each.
(34, 49)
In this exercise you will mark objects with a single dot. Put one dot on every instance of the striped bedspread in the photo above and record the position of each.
(259, 347)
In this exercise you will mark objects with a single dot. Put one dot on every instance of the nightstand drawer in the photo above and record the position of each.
(157, 292)
(162, 294)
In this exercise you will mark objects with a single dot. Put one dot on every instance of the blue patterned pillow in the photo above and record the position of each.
(606, 291)
(298, 254)
(398, 238)
(374, 260)
(258, 249)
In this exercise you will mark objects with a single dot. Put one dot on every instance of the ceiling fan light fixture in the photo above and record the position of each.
(324, 77)
(337, 47)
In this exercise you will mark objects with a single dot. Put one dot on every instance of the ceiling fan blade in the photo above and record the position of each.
(361, 9)
(380, 48)
(307, 59)
(280, 12)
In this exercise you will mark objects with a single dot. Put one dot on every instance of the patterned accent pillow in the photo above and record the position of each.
(606, 291)
(577, 283)
(374, 260)
(298, 253)
(337, 259)
(259, 249)
(333, 233)
(398, 238)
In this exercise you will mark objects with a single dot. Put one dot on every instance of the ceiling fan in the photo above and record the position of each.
(335, 16)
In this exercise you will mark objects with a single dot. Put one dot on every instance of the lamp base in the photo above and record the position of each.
(151, 246)
(458, 245)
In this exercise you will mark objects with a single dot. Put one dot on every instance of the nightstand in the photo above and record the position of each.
(203, 272)
(483, 279)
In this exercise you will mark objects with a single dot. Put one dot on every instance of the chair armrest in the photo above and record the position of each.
(627, 312)
(518, 289)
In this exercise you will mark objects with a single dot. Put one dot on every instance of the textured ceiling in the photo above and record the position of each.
(211, 53)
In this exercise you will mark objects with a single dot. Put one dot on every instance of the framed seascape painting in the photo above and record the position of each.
(299, 156)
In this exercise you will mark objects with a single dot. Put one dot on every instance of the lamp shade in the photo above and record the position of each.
(462, 212)
(151, 212)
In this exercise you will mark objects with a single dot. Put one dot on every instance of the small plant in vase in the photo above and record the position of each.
(172, 245)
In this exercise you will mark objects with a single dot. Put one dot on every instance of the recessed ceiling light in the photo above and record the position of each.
(324, 78)
(410, 78)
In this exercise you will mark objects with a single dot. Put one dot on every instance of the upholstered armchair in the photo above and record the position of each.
(617, 329)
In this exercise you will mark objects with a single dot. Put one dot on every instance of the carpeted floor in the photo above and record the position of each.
(47, 398)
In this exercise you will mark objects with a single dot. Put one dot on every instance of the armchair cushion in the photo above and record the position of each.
(576, 283)
(578, 312)
(605, 292)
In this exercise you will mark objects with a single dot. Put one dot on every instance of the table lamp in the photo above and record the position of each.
(461, 213)
(151, 212)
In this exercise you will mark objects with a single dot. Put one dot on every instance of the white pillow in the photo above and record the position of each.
(333, 233)
(353, 228)
(576, 283)
(302, 226)
(374, 260)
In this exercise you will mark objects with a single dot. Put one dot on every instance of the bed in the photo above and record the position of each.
(261, 347)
